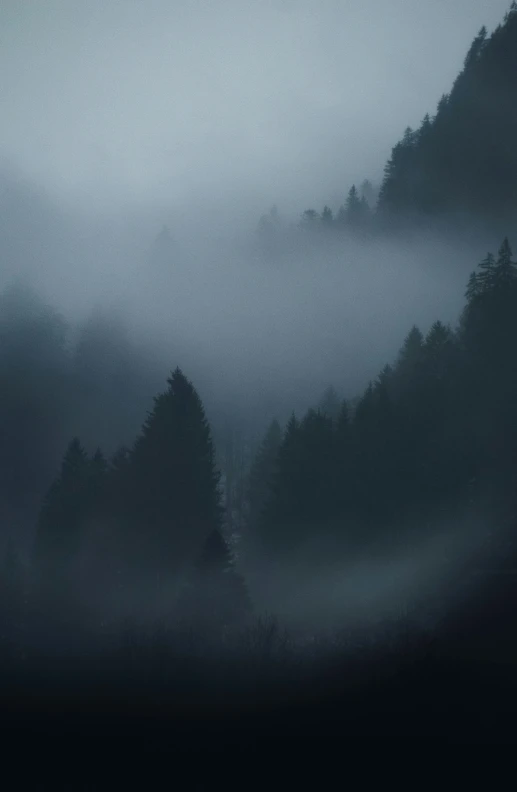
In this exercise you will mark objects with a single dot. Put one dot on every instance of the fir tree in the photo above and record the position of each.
(330, 404)
(486, 277)
(326, 217)
(173, 494)
(215, 596)
(262, 473)
(505, 270)
(60, 535)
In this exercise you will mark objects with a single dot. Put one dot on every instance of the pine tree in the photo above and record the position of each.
(173, 493)
(263, 472)
(476, 48)
(505, 270)
(474, 288)
(60, 536)
(215, 596)
(58, 533)
(408, 362)
(368, 192)
(326, 217)
(330, 404)
(487, 275)
(354, 210)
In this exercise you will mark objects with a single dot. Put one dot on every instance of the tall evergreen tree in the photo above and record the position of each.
(263, 471)
(173, 493)
(60, 533)
(330, 403)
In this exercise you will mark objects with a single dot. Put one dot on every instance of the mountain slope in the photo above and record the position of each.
(464, 159)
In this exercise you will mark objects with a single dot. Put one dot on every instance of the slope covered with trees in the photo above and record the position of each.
(434, 436)
(463, 159)
(460, 164)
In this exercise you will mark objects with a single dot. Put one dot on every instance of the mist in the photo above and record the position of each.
(243, 384)
(225, 108)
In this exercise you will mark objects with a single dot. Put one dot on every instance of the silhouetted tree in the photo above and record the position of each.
(173, 494)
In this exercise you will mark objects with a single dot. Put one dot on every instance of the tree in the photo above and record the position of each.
(173, 496)
(409, 359)
(476, 49)
(505, 270)
(262, 473)
(327, 218)
(353, 208)
(60, 531)
(57, 536)
(486, 277)
(330, 404)
(215, 596)
(310, 219)
(474, 287)
(368, 192)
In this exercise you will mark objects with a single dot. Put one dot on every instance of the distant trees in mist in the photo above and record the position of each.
(137, 516)
(460, 162)
(145, 529)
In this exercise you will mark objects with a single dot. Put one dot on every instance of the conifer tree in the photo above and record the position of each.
(326, 216)
(486, 277)
(505, 270)
(353, 206)
(215, 595)
(58, 532)
(262, 472)
(330, 404)
(173, 493)
(60, 535)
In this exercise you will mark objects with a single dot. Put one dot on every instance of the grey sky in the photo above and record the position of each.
(233, 101)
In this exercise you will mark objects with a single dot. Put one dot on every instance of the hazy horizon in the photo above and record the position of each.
(233, 106)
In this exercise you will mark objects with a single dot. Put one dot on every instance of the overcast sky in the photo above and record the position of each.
(264, 101)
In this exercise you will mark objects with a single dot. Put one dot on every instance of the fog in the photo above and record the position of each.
(267, 330)
(223, 107)
(121, 119)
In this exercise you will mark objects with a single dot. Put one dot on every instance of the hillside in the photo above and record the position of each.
(463, 160)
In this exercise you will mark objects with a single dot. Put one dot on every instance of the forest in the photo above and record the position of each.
(231, 530)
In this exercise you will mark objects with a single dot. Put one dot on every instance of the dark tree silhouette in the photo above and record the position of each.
(173, 498)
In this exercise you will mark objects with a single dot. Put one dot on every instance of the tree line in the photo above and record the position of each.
(143, 529)
(436, 430)
(460, 161)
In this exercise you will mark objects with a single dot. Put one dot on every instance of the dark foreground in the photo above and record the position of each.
(90, 710)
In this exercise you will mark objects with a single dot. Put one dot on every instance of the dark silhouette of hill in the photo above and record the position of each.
(463, 159)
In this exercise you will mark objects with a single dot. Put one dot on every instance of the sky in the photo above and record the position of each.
(230, 103)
